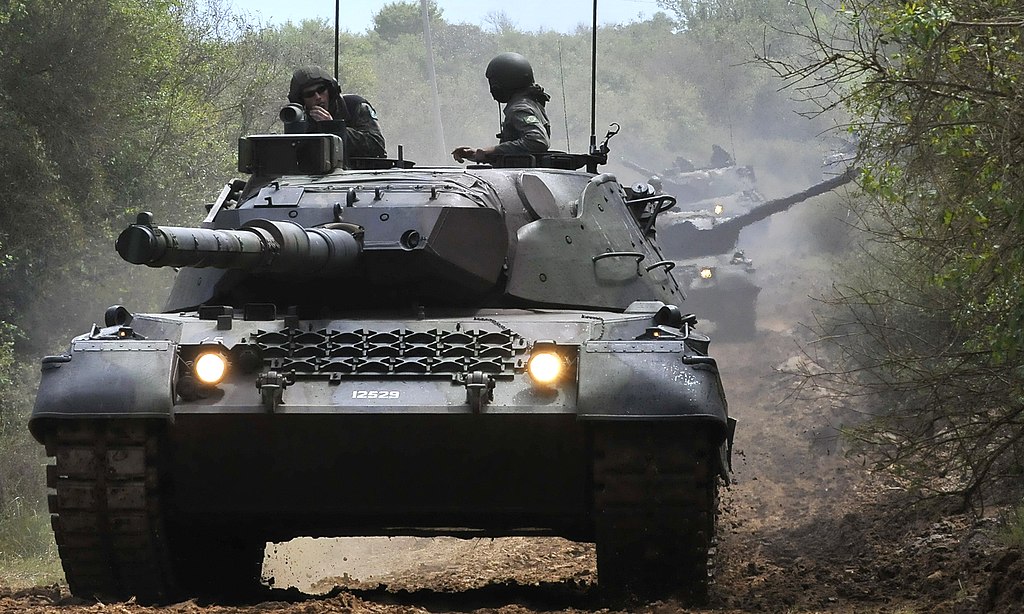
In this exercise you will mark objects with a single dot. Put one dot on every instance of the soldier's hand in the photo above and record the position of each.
(320, 114)
(463, 153)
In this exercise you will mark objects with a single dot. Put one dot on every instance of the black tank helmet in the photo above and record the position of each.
(507, 74)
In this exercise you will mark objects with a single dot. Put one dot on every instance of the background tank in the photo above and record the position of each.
(388, 351)
(721, 184)
(718, 277)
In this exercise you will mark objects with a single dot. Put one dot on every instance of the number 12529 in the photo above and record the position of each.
(374, 394)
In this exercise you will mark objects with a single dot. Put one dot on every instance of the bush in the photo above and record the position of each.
(1013, 529)
(24, 520)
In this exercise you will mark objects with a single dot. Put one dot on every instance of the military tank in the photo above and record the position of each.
(702, 239)
(724, 287)
(720, 185)
(370, 348)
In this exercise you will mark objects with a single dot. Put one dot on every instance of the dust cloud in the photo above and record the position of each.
(317, 566)
(305, 563)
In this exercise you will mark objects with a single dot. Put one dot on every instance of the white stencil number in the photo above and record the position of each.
(374, 394)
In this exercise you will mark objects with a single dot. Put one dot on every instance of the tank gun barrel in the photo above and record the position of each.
(691, 241)
(636, 167)
(778, 205)
(259, 245)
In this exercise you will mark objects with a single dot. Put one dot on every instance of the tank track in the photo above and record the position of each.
(655, 500)
(105, 509)
(113, 535)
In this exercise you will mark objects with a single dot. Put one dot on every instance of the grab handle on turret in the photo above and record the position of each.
(639, 257)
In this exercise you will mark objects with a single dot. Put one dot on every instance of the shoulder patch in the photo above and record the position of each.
(532, 119)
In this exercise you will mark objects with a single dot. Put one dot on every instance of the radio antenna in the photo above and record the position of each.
(565, 110)
(593, 84)
(337, 37)
(428, 42)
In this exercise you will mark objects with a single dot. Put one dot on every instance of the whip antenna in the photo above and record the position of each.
(593, 84)
(565, 110)
(337, 35)
(428, 41)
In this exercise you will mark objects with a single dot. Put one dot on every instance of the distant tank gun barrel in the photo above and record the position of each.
(259, 245)
(636, 167)
(778, 205)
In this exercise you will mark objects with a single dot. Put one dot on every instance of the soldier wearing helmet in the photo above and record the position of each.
(350, 116)
(525, 128)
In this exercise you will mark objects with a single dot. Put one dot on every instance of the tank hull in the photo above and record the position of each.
(398, 444)
(727, 299)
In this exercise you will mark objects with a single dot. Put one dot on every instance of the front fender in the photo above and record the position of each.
(649, 380)
(106, 379)
(655, 380)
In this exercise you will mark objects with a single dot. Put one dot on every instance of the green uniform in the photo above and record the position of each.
(359, 129)
(525, 129)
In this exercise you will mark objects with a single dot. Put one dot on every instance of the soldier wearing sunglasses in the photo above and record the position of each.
(349, 116)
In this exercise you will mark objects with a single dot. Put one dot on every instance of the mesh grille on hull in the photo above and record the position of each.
(333, 353)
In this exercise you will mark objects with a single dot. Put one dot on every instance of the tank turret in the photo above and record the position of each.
(692, 186)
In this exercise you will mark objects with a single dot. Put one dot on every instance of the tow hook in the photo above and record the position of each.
(479, 389)
(271, 385)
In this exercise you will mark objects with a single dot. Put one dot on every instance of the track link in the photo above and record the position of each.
(105, 509)
(655, 495)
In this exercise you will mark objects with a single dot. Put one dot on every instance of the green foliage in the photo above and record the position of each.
(1013, 527)
(737, 21)
(25, 532)
(396, 19)
(937, 340)
(118, 123)
(24, 521)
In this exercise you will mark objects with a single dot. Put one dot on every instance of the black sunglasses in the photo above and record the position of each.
(320, 89)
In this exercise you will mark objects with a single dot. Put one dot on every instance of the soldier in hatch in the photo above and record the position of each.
(350, 116)
(525, 129)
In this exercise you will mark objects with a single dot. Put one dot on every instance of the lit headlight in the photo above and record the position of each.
(719, 208)
(210, 367)
(545, 368)
(707, 272)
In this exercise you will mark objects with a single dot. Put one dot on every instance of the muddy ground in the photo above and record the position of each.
(806, 527)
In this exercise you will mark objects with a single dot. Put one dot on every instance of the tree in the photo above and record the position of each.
(397, 19)
(108, 107)
(928, 329)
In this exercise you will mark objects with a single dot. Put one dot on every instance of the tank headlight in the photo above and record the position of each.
(210, 368)
(719, 208)
(545, 368)
(707, 272)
